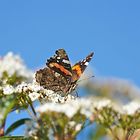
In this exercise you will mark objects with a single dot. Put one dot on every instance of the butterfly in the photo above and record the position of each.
(59, 75)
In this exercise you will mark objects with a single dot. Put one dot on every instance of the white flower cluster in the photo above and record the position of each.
(36, 92)
(86, 106)
(115, 88)
(12, 63)
(70, 108)
(131, 107)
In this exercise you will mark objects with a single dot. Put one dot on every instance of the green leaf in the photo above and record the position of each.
(16, 124)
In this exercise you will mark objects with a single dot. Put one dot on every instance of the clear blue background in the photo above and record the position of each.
(35, 29)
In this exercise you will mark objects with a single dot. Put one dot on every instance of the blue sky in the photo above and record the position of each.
(35, 29)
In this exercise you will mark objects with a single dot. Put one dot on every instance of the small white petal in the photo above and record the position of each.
(78, 127)
(131, 108)
(8, 89)
(34, 96)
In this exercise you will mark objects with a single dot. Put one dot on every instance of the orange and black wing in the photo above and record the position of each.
(79, 67)
(60, 63)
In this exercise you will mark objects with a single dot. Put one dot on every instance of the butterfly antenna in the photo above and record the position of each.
(85, 79)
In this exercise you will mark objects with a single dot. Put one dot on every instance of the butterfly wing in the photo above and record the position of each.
(60, 63)
(59, 76)
(50, 80)
(79, 67)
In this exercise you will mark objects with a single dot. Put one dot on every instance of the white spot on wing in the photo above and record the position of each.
(66, 61)
(58, 57)
(84, 60)
(86, 63)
